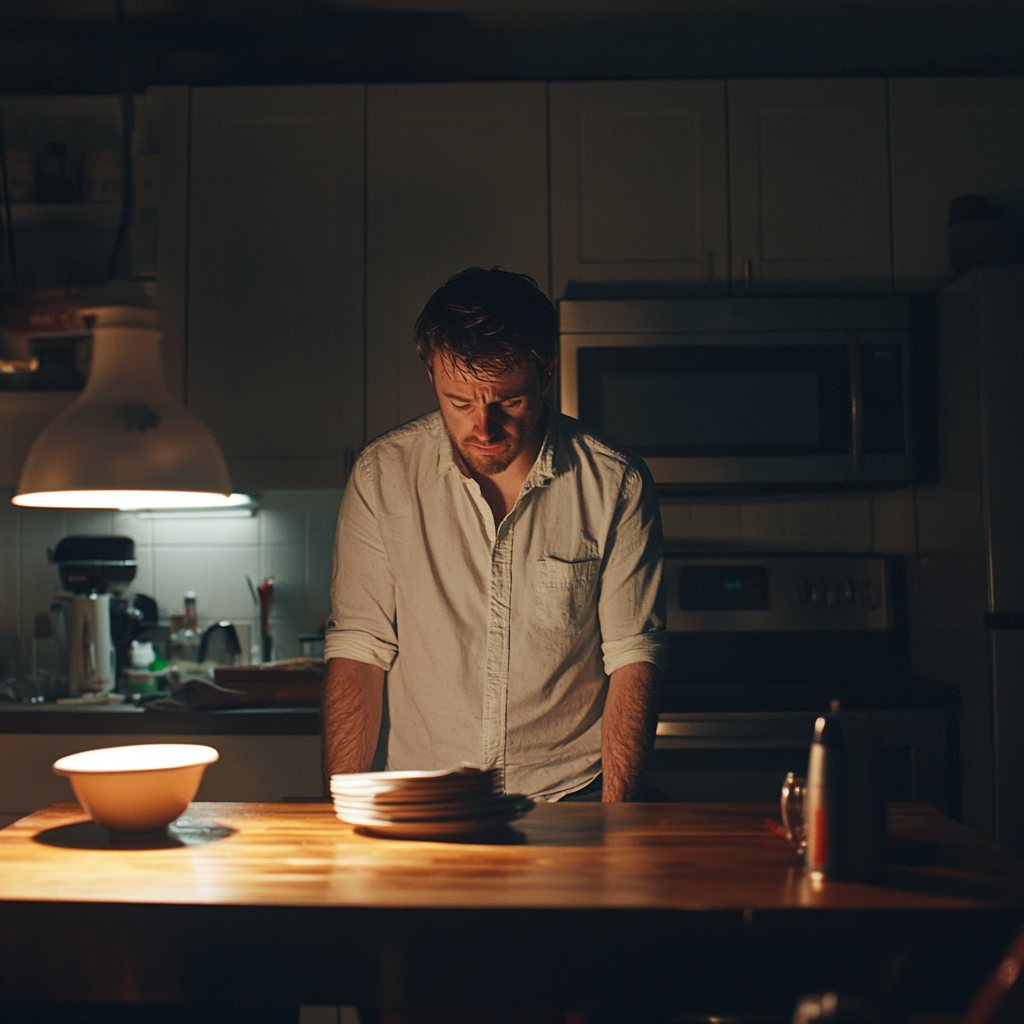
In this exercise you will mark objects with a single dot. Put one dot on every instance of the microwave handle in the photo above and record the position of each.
(856, 406)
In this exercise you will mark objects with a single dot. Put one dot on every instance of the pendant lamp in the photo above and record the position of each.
(126, 442)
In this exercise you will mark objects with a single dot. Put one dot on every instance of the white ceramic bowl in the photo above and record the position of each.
(136, 788)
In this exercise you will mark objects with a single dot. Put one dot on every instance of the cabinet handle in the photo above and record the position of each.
(711, 266)
(748, 272)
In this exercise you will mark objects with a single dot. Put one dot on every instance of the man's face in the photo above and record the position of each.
(492, 419)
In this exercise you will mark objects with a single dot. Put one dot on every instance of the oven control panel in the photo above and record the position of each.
(720, 593)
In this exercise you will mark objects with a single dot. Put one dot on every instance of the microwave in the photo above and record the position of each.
(724, 394)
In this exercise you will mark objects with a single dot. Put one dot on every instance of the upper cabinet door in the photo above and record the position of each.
(275, 277)
(457, 178)
(950, 137)
(638, 186)
(809, 177)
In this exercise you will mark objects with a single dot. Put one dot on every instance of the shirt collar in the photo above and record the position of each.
(445, 458)
(542, 472)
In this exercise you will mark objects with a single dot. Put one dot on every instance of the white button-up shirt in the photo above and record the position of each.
(498, 642)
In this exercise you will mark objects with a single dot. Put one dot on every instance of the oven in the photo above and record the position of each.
(759, 647)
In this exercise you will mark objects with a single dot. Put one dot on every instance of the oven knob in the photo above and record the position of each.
(849, 593)
(818, 593)
(803, 591)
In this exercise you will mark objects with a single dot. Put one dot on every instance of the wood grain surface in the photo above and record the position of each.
(674, 908)
(560, 856)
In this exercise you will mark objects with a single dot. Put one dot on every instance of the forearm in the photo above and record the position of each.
(627, 729)
(353, 700)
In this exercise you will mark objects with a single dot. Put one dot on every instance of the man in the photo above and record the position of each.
(500, 567)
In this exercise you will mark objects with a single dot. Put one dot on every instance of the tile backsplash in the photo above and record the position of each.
(880, 523)
(289, 538)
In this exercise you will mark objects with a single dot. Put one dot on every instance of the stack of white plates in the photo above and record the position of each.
(423, 805)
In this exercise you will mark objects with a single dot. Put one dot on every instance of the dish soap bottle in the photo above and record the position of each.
(184, 642)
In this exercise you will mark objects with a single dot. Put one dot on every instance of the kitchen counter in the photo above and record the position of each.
(120, 719)
(305, 721)
(694, 908)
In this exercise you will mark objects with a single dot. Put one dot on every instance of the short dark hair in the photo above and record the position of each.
(490, 321)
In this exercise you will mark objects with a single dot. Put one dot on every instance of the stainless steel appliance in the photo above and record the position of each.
(756, 392)
(760, 645)
(100, 622)
(967, 583)
(92, 665)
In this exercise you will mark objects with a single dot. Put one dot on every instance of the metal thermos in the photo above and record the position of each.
(844, 803)
(91, 666)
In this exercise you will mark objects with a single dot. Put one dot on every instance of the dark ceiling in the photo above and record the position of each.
(66, 46)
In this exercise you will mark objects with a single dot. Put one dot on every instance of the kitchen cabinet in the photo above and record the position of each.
(456, 177)
(172, 241)
(264, 754)
(64, 168)
(638, 186)
(302, 228)
(250, 767)
(809, 185)
(64, 219)
(274, 321)
(950, 137)
(676, 187)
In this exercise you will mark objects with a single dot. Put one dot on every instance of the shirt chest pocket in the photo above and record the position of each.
(565, 592)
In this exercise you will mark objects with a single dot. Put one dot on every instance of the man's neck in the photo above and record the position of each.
(501, 490)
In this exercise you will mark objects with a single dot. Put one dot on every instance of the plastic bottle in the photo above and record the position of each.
(184, 642)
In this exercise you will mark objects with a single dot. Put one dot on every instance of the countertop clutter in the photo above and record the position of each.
(591, 907)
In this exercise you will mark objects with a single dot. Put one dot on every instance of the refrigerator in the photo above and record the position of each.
(967, 579)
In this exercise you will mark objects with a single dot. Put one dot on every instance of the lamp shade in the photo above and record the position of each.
(126, 442)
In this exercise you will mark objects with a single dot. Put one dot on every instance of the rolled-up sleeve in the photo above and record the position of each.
(631, 607)
(362, 622)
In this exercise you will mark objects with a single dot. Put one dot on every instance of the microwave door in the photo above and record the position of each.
(719, 410)
(766, 407)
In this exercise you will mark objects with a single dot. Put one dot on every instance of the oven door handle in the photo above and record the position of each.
(795, 727)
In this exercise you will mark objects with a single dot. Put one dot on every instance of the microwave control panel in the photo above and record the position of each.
(776, 593)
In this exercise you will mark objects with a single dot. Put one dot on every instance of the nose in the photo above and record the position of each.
(487, 423)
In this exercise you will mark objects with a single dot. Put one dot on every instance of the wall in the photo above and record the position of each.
(289, 538)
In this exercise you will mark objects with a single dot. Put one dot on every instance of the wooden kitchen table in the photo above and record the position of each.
(617, 911)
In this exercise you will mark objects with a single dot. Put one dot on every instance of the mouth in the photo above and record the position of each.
(487, 449)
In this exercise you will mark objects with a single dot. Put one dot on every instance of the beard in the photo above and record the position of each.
(492, 465)
(489, 465)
